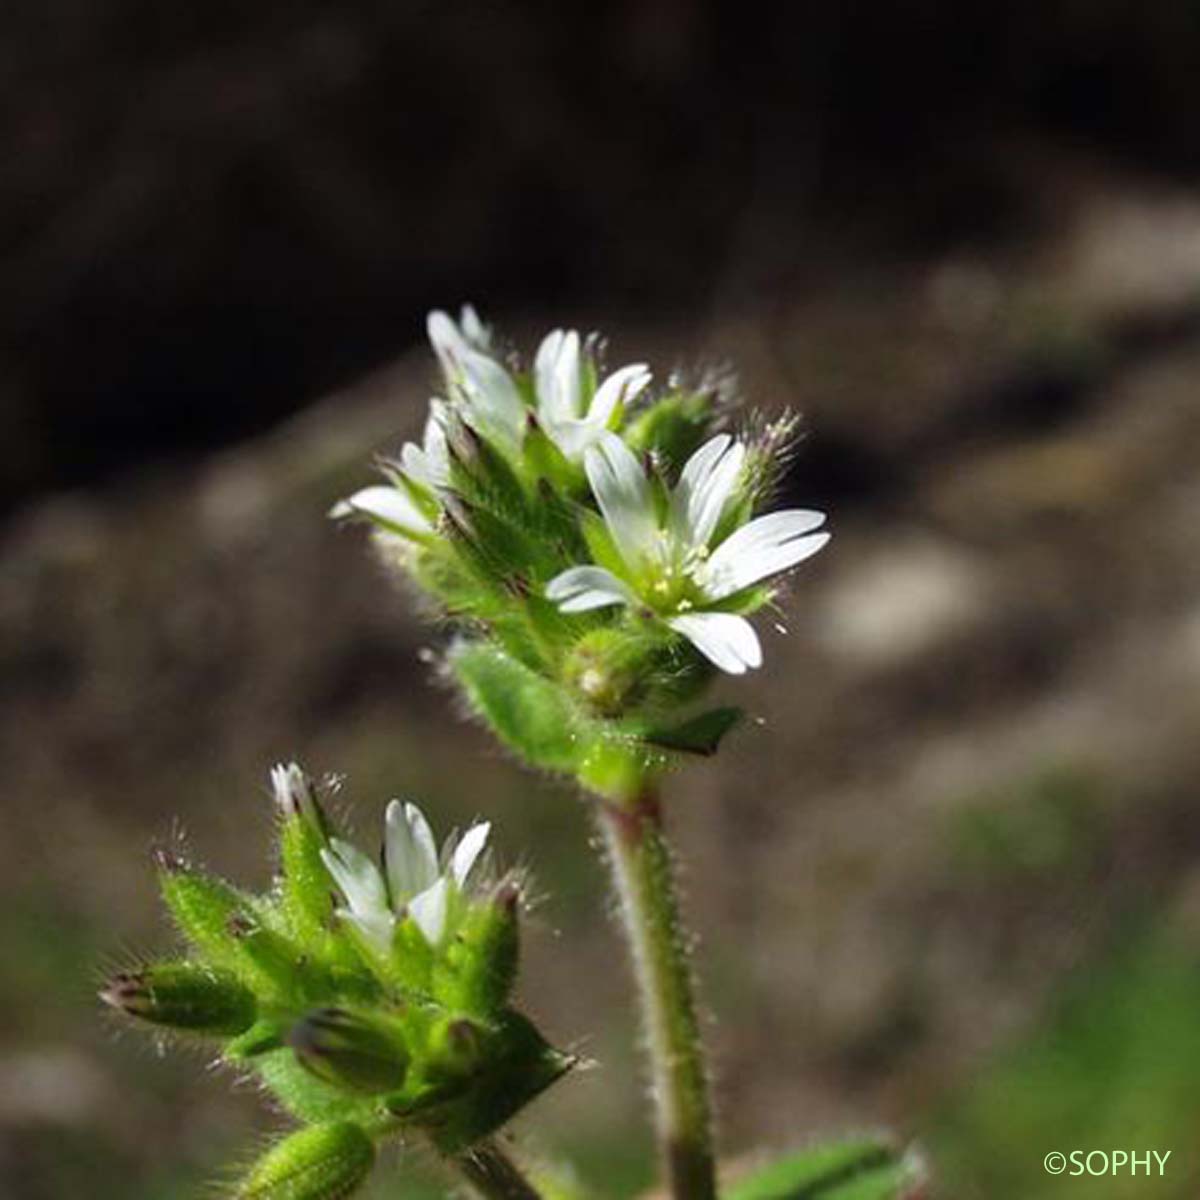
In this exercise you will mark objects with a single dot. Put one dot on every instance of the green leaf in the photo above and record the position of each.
(854, 1169)
(529, 713)
(698, 735)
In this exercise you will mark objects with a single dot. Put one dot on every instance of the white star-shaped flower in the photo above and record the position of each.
(574, 420)
(414, 880)
(671, 565)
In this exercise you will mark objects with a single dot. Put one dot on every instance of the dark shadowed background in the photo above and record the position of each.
(950, 881)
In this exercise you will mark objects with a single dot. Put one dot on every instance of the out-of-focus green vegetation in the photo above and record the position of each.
(1113, 1067)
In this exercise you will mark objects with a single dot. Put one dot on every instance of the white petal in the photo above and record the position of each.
(544, 364)
(377, 928)
(492, 393)
(619, 388)
(409, 851)
(358, 878)
(468, 850)
(580, 589)
(573, 437)
(765, 546)
(704, 488)
(726, 640)
(623, 494)
(448, 343)
(429, 463)
(387, 505)
(566, 398)
(473, 329)
(428, 910)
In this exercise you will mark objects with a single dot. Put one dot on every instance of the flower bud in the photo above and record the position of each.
(606, 669)
(183, 996)
(321, 1162)
(350, 1051)
(456, 1046)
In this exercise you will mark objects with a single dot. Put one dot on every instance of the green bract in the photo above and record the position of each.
(369, 1001)
(594, 543)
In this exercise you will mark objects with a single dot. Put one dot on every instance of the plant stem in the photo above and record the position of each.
(644, 878)
(494, 1175)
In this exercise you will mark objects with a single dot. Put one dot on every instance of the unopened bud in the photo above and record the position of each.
(183, 996)
(350, 1051)
(605, 669)
(322, 1162)
(455, 1047)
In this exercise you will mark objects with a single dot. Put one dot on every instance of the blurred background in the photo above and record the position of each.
(949, 880)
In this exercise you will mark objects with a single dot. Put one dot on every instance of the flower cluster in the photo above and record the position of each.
(586, 532)
(368, 1002)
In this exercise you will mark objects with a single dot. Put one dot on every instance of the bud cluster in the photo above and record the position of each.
(368, 1000)
(594, 541)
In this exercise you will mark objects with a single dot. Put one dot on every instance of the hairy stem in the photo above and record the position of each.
(644, 879)
(493, 1175)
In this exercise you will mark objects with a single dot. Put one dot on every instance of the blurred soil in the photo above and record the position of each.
(972, 770)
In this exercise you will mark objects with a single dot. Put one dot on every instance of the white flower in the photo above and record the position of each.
(671, 565)
(414, 880)
(572, 419)
(474, 376)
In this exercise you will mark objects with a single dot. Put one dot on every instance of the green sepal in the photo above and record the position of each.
(322, 1162)
(305, 1096)
(481, 474)
(183, 995)
(698, 735)
(359, 1052)
(854, 1169)
(263, 1036)
(479, 967)
(305, 889)
(548, 462)
(673, 426)
(271, 962)
(205, 908)
(519, 1065)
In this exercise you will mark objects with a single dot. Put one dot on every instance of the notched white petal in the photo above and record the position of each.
(580, 589)
(377, 928)
(387, 506)
(473, 329)
(705, 487)
(491, 392)
(726, 640)
(621, 387)
(357, 877)
(623, 493)
(766, 546)
(467, 852)
(409, 851)
(428, 910)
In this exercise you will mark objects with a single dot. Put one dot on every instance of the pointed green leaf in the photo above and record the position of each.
(698, 735)
(528, 712)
